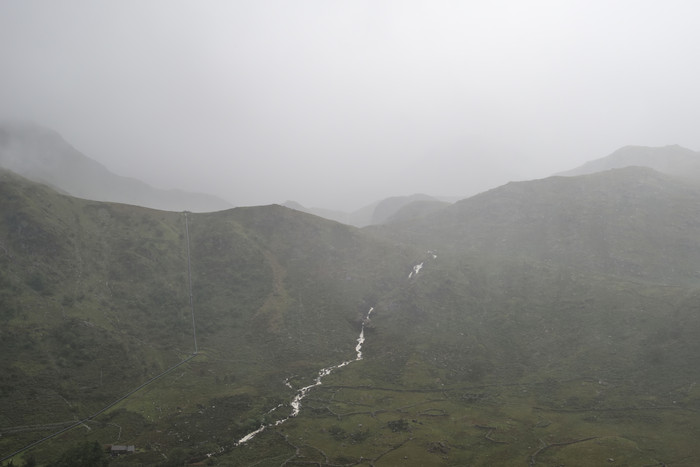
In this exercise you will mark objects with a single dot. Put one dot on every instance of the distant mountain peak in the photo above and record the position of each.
(379, 212)
(672, 159)
(42, 155)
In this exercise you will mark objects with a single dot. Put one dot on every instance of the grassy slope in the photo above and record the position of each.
(482, 359)
(556, 311)
(634, 223)
(558, 325)
(95, 301)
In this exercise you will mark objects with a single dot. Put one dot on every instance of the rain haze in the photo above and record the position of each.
(339, 104)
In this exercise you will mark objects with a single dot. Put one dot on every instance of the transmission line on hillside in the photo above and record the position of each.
(189, 277)
(141, 386)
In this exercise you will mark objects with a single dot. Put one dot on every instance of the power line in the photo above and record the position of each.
(189, 277)
(109, 406)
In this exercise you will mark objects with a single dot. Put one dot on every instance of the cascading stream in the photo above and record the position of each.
(303, 392)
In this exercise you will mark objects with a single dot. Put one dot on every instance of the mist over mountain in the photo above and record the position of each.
(527, 324)
(358, 218)
(672, 160)
(375, 213)
(42, 155)
(417, 209)
(633, 222)
(431, 297)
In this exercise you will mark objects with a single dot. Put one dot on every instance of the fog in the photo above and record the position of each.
(338, 104)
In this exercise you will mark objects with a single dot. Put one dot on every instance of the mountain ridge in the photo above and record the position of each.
(556, 309)
(44, 156)
(375, 213)
(671, 159)
(552, 217)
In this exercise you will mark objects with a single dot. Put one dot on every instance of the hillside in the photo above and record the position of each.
(43, 156)
(95, 301)
(547, 322)
(634, 223)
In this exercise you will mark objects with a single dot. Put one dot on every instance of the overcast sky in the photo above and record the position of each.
(341, 103)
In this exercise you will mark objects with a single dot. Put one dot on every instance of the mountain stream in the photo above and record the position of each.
(301, 393)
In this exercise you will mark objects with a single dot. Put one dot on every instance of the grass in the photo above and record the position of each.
(479, 360)
(504, 426)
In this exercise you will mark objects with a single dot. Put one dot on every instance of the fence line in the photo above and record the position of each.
(99, 412)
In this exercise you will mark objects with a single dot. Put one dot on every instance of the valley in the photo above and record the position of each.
(545, 322)
(349, 233)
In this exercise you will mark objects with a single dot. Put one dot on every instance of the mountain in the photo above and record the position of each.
(376, 213)
(43, 156)
(94, 301)
(358, 218)
(546, 322)
(416, 209)
(387, 208)
(633, 222)
(672, 160)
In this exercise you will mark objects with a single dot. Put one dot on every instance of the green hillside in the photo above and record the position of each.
(95, 301)
(552, 322)
(633, 222)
